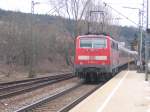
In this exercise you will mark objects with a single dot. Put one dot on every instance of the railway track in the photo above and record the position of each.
(77, 101)
(30, 80)
(51, 103)
(11, 89)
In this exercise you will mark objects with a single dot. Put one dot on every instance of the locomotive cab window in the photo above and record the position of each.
(93, 43)
(85, 43)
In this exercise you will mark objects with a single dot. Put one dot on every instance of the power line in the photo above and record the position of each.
(54, 9)
(121, 14)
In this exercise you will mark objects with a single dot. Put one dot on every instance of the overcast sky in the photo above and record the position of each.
(25, 6)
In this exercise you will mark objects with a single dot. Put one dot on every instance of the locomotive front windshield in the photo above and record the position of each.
(93, 43)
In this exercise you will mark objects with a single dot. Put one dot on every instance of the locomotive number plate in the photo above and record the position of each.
(92, 57)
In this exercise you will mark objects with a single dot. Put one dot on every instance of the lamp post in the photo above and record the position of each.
(32, 6)
(147, 44)
(147, 14)
(32, 61)
(141, 33)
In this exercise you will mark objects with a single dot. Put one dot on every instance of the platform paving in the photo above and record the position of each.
(126, 92)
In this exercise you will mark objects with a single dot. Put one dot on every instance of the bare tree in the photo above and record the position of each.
(53, 40)
(73, 10)
(11, 43)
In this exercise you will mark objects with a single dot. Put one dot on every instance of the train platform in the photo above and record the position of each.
(126, 92)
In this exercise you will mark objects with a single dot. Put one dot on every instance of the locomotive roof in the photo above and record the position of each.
(128, 50)
(95, 36)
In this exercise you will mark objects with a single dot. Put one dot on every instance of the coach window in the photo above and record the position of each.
(112, 45)
(116, 46)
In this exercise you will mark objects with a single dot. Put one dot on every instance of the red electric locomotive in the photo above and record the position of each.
(98, 57)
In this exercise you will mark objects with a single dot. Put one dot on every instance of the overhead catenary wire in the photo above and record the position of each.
(120, 14)
(54, 9)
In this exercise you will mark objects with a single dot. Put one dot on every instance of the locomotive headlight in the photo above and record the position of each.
(100, 57)
(83, 57)
(103, 63)
(81, 63)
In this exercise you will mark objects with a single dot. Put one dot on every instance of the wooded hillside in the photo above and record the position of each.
(42, 39)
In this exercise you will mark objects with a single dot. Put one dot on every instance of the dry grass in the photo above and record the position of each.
(42, 69)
